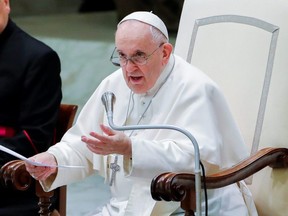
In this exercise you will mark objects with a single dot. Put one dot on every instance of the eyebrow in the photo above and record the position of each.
(135, 53)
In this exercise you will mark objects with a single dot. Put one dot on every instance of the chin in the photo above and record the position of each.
(138, 90)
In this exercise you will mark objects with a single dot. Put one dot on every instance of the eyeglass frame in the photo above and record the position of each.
(131, 58)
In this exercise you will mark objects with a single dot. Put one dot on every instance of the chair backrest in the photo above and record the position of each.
(243, 46)
(65, 121)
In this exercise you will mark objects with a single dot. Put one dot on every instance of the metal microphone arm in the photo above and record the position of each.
(108, 99)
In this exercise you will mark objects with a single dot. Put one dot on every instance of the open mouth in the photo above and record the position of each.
(136, 78)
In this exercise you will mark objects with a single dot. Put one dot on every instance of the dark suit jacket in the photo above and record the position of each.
(30, 95)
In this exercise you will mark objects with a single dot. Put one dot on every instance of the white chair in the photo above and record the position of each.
(243, 46)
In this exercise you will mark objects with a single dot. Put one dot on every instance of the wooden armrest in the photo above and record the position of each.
(178, 187)
(13, 174)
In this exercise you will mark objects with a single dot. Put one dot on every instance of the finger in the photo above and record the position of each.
(29, 167)
(96, 148)
(44, 174)
(107, 130)
(84, 139)
(100, 138)
(91, 143)
(100, 151)
(99, 146)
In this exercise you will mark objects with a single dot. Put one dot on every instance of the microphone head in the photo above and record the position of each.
(108, 100)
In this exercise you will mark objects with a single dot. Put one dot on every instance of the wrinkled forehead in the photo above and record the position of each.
(133, 32)
(133, 28)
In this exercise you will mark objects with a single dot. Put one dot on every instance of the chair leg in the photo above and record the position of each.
(62, 200)
(189, 203)
(44, 200)
(189, 213)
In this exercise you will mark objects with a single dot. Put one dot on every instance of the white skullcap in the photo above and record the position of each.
(148, 18)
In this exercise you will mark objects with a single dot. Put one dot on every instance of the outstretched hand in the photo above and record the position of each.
(112, 142)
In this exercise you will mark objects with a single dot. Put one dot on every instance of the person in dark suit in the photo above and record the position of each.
(30, 97)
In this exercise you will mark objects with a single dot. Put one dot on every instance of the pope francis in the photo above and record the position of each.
(152, 86)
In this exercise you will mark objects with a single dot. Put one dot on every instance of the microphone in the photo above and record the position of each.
(108, 100)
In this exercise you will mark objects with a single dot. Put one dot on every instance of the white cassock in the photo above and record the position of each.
(183, 96)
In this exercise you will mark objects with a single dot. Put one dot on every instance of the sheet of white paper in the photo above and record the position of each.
(21, 157)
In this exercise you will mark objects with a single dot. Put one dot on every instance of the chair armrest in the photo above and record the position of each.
(13, 174)
(181, 186)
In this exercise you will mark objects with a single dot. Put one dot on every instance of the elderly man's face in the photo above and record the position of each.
(4, 13)
(134, 38)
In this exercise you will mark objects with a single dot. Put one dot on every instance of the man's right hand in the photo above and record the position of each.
(41, 173)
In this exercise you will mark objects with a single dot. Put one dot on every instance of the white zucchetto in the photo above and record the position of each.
(148, 18)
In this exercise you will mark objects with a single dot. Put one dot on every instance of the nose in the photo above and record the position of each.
(130, 66)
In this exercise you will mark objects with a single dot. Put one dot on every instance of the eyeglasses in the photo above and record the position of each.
(140, 58)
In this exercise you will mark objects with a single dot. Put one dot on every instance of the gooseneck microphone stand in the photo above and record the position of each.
(108, 99)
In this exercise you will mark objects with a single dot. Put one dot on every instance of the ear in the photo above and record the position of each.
(7, 5)
(167, 50)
